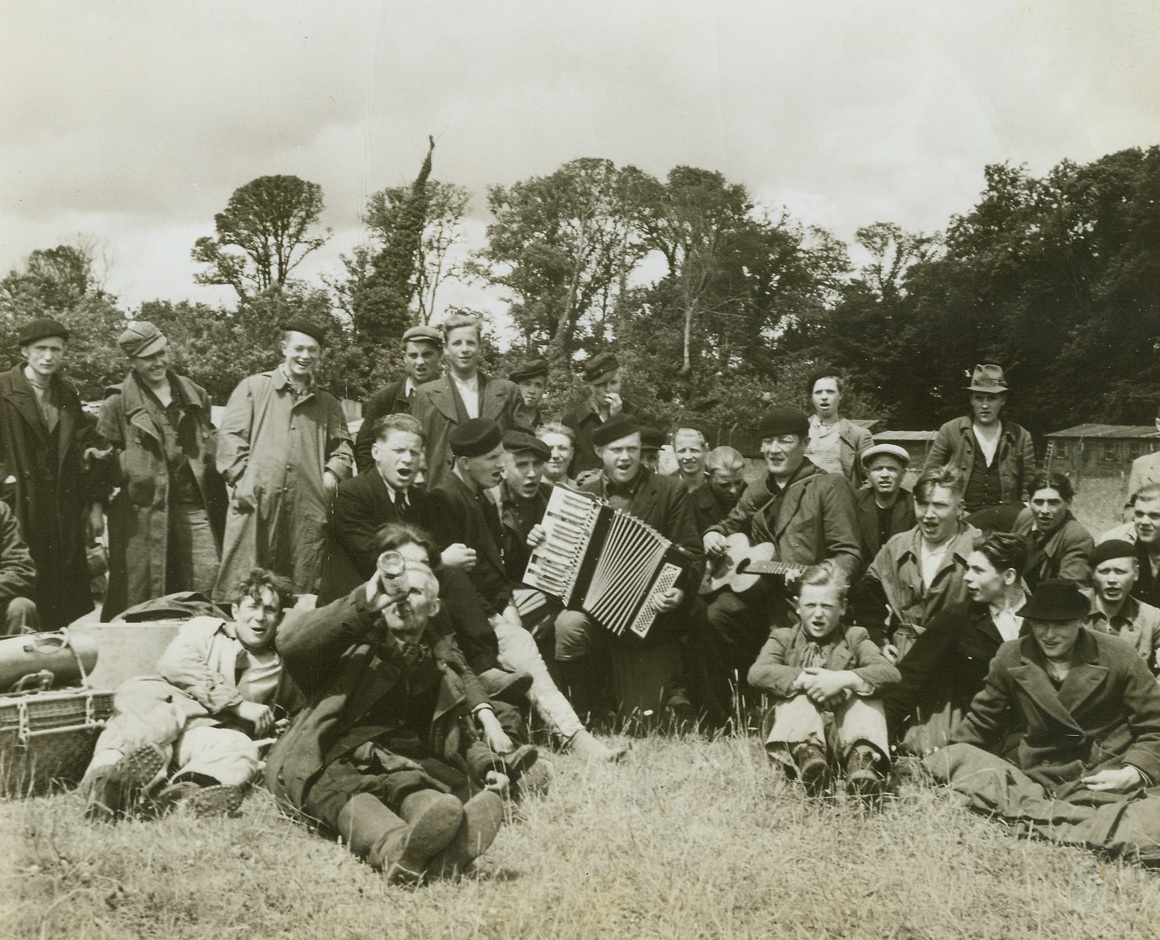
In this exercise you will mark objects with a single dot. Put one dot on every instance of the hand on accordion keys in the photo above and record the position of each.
(670, 600)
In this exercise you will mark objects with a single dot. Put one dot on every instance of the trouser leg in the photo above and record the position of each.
(20, 616)
(861, 721)
(192, 561)
(518, 650)
(228, 756)
(725, 644)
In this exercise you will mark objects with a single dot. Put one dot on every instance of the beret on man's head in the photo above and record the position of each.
(42, 329)
(518, 442)
(614, 429)
(313, 330)
(652, 438)
(424, 334)
(527, 371)
(1112, 548)
(475, 437)
(141, 338)
(784, 419)
(600, 364)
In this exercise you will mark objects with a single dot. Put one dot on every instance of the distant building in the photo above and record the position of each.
(1099, 450)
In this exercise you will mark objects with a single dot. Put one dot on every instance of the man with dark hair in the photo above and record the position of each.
(47, 443)
(422, 357)
(885, 507)
(283, 449)
(603, 402)
(531, 378)
(651, 442)
(462, 394)
(995, 456)
(836, 443)
(808, 515)
(1115, 570)
(165, 523)
(1057, 545)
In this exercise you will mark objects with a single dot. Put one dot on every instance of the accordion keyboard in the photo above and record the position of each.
(568, 522)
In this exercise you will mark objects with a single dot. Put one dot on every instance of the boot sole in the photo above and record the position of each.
(430, 833)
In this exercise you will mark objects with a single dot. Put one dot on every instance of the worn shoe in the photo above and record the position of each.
(434, 819)
(482, 818)
(865, 776)
(585, 746)
(113, 792)
(535, 781)
(813, 769)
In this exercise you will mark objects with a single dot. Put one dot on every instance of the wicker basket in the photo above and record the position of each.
(47, 738)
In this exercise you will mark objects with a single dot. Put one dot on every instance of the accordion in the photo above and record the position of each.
(603, 561)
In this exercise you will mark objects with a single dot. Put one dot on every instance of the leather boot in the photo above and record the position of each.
(401, 848)
(482, 817)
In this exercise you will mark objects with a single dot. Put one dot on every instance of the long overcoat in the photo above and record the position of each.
(50, 497)
(438, 407)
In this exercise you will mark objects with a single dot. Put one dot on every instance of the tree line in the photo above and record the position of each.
(713, 301)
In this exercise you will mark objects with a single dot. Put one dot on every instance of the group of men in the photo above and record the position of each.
(409, 725)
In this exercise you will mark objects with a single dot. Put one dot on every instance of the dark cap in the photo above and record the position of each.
(690, 423)
(652, 438)
(517, 442)
(141, 338)
(599, 365)
(614, 429)
(475, 437)
(42, 329)
(529, 370)
(1112, 548)
(784, 420)
(425, 334)
(1056, 599)
(313, 330)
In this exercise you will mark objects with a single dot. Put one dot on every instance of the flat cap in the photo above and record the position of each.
(475, 437)
(614, 429)
(141, 338)
(529, 370)
(42, 329)
(517, 442)
(600, 364)
(784, 419)
(425, 334)
(1112, 548)
(885, 450)
(311, 329)
(652, 438)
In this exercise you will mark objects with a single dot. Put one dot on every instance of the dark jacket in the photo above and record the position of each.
(439, 408)
(778, 663)
(1063, 554)
(518, 517)
(17, 572)
(1105, 715)
(342, 678)
(955, 445)
(51, 491)
(139, 513)
(456, 515)
(708, 508)
(391, 400)
(583, 420)
(901, 519)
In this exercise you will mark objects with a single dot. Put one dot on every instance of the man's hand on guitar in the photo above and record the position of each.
(715, 544)
(670, 600)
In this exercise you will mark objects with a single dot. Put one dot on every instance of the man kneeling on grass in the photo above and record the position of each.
(384, 754)
(186, 735)
(826, 683)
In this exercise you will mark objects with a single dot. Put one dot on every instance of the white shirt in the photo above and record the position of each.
(1008, 625)
(469, 392)
(988, 445)
(932, 559)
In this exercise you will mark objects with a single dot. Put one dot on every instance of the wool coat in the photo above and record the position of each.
(583, 419)
(955, 445)
(273, 449)
(50, 492)
(139, 513)
(1063, 554)
(902, 518)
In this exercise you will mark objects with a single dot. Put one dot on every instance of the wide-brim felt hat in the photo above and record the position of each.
(1056, 599)
(988, 378)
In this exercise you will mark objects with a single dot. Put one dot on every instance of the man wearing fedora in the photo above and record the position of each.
(284, 447)
(532, 379)
(885, 507)
(166, 521)
(601, 404)
(47, 443)
(422, 357)
(1090, 710)
(995, 456)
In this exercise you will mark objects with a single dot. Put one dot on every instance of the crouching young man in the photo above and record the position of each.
(383, 753)
(186, 735)
(827, 685)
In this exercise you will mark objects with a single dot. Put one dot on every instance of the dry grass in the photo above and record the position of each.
(689, 838)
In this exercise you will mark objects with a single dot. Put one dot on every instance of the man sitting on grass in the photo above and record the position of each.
(186, 735)
(826, 683)
(384, 754)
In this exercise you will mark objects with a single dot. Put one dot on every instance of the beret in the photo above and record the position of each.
(652, 439)
(42, 329)
(600, 364)
(1112, 548)
(885, 450)
(426, 334)
(784, 420)
(313, 330)
(614, 429)
(141, 338)
(475, 437)
(516, 442)
(529, 370)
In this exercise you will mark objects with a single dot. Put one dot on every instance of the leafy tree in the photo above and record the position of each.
(267, 228)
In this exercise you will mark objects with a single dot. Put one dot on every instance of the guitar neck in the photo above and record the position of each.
(772, 567)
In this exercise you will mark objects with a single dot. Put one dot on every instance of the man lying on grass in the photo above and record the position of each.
(827, 684)
(1086, 770)
(385, 753)
(186, 735)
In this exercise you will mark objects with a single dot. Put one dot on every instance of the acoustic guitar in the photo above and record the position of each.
(743, 565)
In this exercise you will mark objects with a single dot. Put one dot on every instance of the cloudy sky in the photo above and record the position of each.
(133, 120)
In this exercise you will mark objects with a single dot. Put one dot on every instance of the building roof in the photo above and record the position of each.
(1105, 431)
(892, 437)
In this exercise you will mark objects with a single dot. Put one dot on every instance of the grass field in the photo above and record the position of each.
(689, 838)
